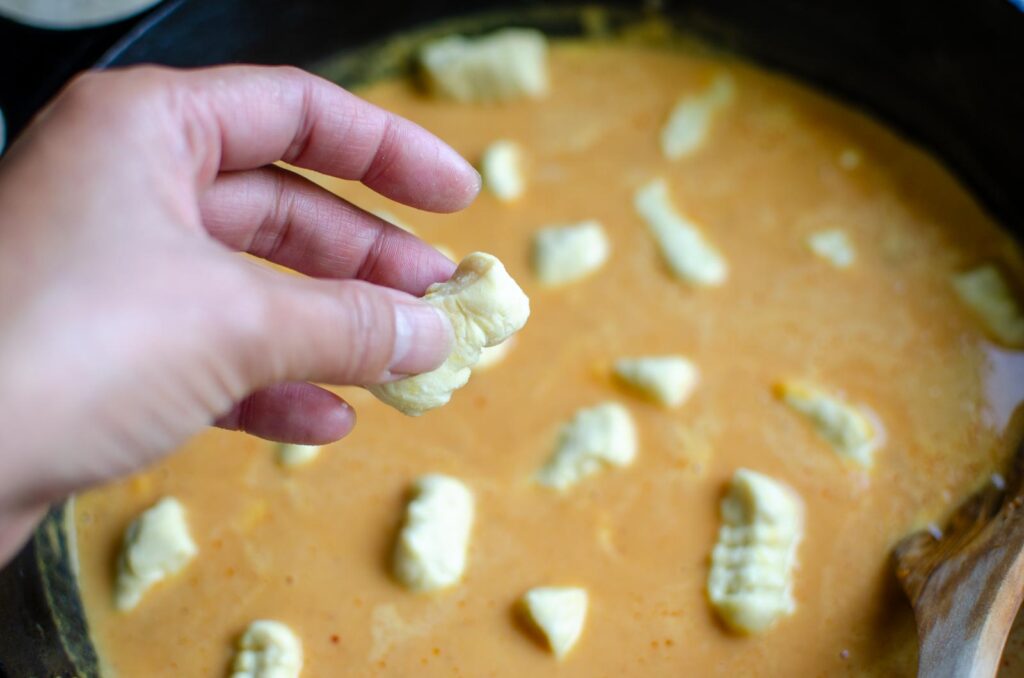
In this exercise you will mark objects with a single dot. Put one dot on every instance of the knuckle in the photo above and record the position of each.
(86, 82)
(247, 322)
(388, 150)
(289, 71)
(116, 87)
(126, 99)
(85, 91)
(342, 332)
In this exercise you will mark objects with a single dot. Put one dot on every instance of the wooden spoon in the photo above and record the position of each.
(966, 584)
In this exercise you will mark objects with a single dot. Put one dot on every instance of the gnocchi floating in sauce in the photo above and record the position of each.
(643, 141)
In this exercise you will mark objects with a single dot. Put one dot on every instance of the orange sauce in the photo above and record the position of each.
(310, 547)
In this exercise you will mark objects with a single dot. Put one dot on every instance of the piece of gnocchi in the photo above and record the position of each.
(290, 455)
(567, 253)
(485, 307)
(433, 544)
(502, 170)
(849, 429)
(157, 545)
(503, 66)
(268, 649)
(690, 121)
(834, 246)
(750, 584)
(688, 253)
(559, 614)
(667, 380)
(985, 291)
(594, 439)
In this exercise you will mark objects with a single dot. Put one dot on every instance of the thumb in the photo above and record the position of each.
(345, 332)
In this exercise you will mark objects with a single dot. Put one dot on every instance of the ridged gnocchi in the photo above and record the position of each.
(433, 544)
(750, 584)
(268, 649)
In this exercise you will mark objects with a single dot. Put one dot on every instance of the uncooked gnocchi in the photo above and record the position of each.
(667, 379)
(559, 613)
(688, 253)
(751, 580)
(689, 123)
(848, 428)
(156, 546)
(508, 64)
(433, 544)
(268, 649)
(502, 170)
(596, 438)
(565, 254)
(986, 293)
(485, 307)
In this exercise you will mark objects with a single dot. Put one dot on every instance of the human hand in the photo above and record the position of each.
(128, 321)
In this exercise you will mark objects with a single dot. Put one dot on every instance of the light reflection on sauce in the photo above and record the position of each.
(1004, 385)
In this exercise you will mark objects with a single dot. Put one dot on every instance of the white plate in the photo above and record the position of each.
(68, 14)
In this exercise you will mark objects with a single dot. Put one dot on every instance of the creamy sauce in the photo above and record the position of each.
(310, 547)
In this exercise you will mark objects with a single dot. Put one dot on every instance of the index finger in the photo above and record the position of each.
(250, 116)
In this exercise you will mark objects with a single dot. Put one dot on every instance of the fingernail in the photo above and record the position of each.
(423, 338)
(337, 422)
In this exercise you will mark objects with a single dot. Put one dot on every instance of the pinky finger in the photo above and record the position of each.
(293, 412)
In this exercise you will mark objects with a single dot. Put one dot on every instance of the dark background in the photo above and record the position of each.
(36, 62)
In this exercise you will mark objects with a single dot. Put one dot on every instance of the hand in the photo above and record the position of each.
(127, 321)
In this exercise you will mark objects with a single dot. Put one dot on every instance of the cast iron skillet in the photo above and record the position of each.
(949, 75)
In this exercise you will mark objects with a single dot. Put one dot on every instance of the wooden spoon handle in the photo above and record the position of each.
(967, 586)
(963, 625)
